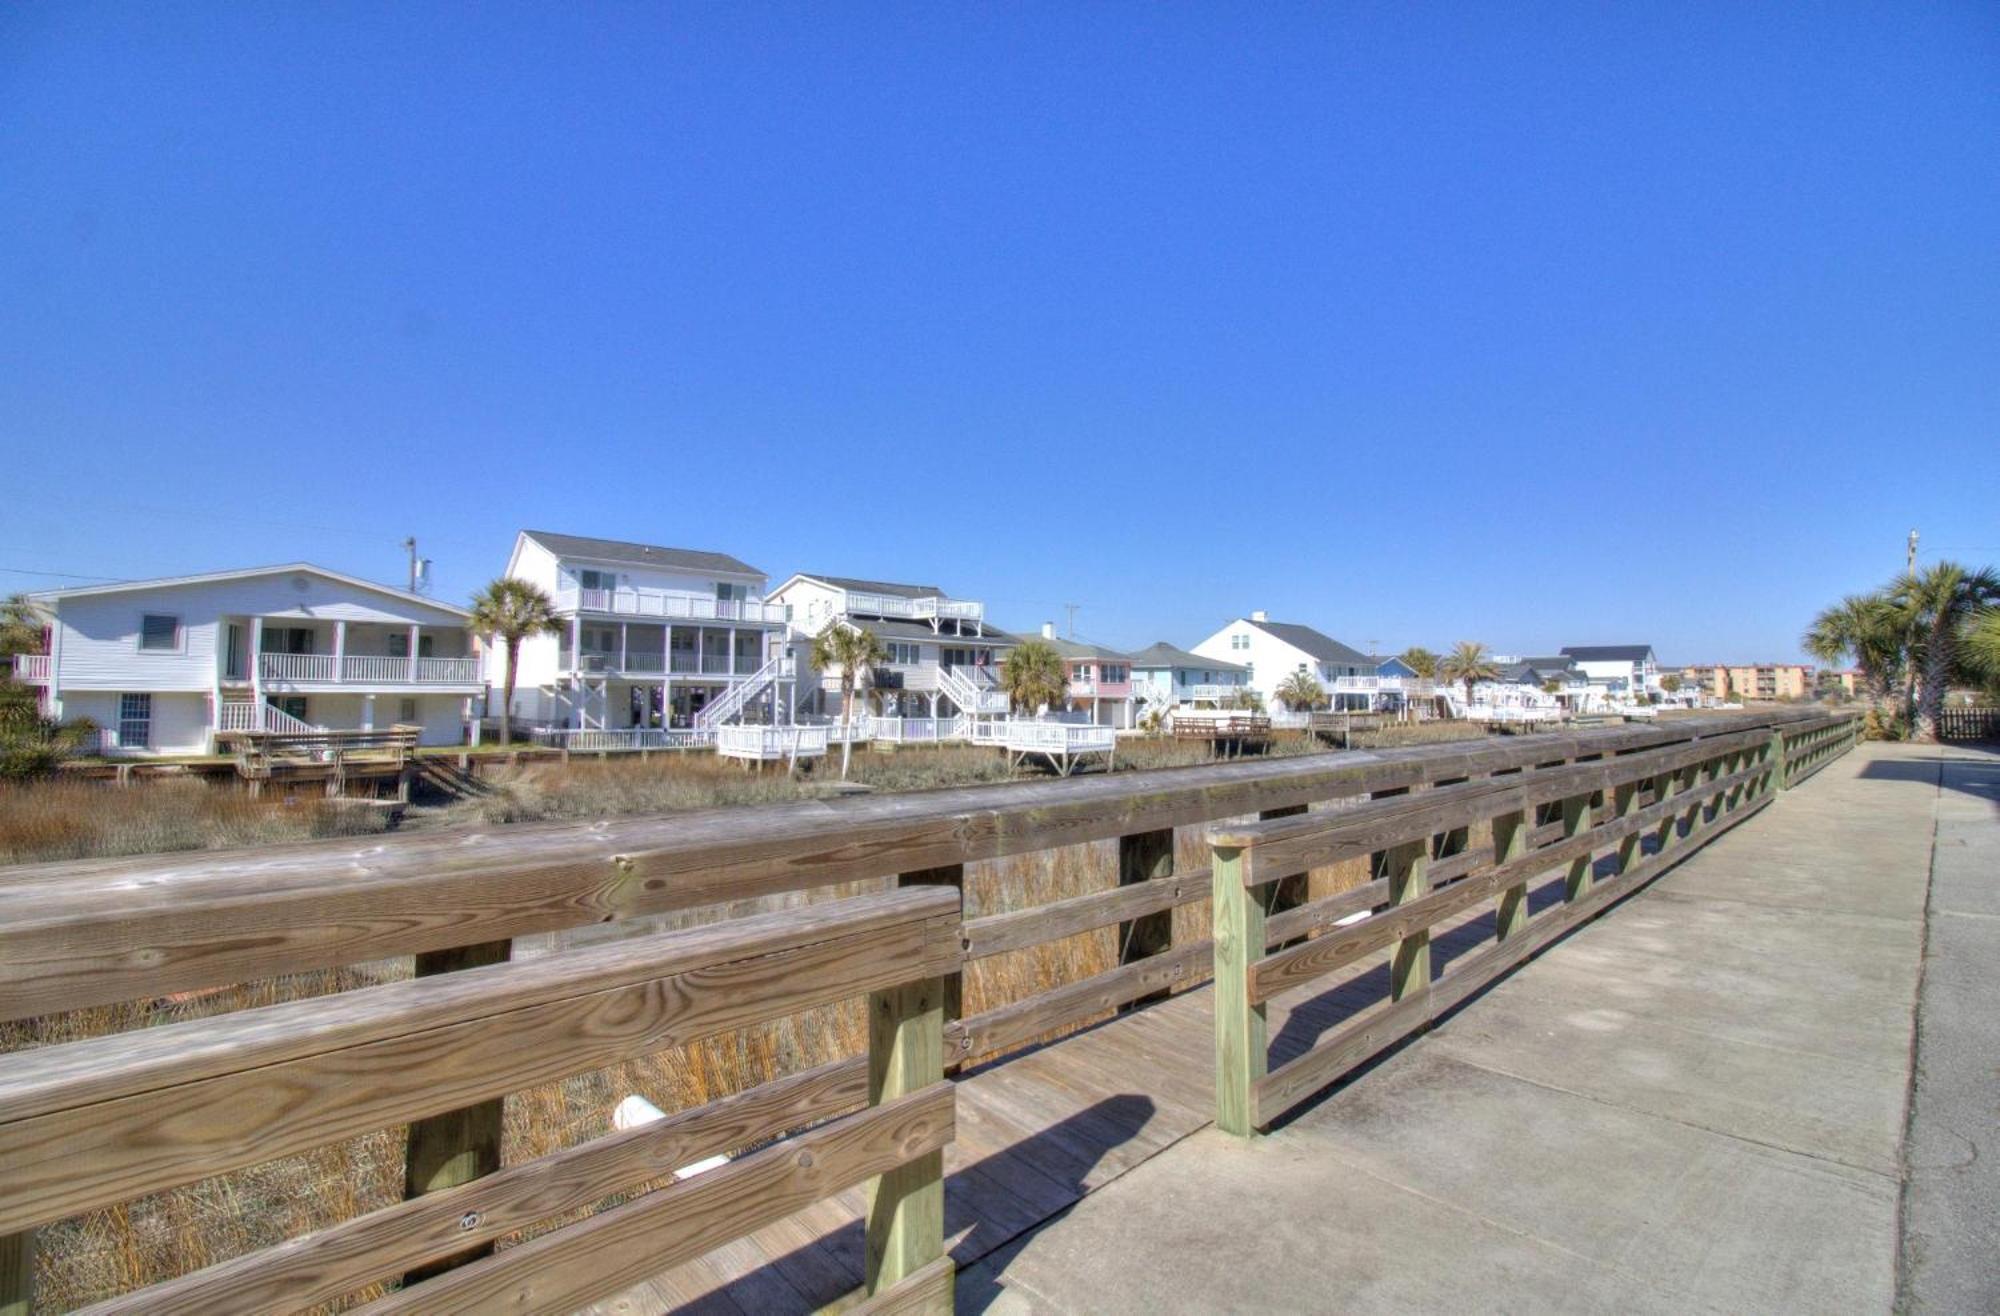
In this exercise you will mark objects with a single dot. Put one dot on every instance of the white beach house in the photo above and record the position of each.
(1629, 670)
(942, 659)
(162, 666)
(1270, 651)
(652, 637)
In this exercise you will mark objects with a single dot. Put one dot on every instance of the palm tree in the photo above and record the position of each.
(1940, 601)
(21, 626)
(1871, 629)
(1421, 661)
(1249, 699)
(855, 652)
(1981, 644)
(1299, 692)
(1034, 676)
(1671, 683)
(1468, 663)
(509, 611)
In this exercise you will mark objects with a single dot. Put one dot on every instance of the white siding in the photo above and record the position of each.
(180, 721)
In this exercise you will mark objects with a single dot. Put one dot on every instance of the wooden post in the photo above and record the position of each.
(1143, 857)
(1625, 803)
(1576, 821)
(17, 1274)
(1242, 1050)
(951, 875)
(905, 1230)
(1510, 842)
(1780, 778)
(458, 1146)
(1409, 880)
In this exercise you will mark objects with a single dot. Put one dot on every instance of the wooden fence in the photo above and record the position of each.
(1975, 722)
(100, 932)
(1647, 807)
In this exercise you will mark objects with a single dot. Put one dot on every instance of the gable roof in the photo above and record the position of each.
(640, 555)
(1161, 654)
(1608, 653)
(1323, 647)
(1383, 661)
(1077, 649)
(246, 573)
(896, 629)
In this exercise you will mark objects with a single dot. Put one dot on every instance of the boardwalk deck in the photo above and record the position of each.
(1036, 1134)
(1041, 1131)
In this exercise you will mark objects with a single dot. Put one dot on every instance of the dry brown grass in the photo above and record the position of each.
(47, 820)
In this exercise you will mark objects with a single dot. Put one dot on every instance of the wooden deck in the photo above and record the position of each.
(1036, 1133)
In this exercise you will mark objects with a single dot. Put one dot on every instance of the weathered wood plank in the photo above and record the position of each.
(1242, 1048)
(320, 1267)
(996, 934)
(616, 1249)
(1022, 1021)
(104, 1120)
(924, 1292)
(1326, 912)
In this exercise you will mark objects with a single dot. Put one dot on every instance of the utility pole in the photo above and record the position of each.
(1910, 566)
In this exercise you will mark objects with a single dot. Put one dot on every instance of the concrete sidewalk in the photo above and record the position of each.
(1696, 1102)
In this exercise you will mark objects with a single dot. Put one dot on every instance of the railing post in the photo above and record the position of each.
(1575, 822)
(455, 1147)
(1144, 857)
(1409, 880)
(905, 1230)
(1510, 842)
(17, 1273)
(953, 998)
(1242, 1050)
(1625, 803)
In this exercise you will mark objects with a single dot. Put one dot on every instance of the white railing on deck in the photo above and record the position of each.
(447, 671)
(375, 668)
(1215, 692)
(778, 742)
(593, 740)
(668, 604)
(973, 689)
(1058, 737)
(31, 667)
(309, 667)
(929, 607)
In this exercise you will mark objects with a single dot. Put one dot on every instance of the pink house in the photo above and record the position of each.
(1100, 680)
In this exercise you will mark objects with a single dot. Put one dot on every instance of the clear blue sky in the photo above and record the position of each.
(1531, 324)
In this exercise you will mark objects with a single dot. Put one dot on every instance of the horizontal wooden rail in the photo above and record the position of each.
(98, 1122)
(1609, 804)
(95, 932)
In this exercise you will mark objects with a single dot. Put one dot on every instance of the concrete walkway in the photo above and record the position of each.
(1697, 1102)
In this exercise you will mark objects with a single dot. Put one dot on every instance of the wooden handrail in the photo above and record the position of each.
(1425, 877)
(94, 932)
(93, 1123)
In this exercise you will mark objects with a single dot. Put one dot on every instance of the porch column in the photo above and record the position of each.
(340, 651)
(257, 667)
(414, 629)
(624, 630)
(732, 654)
(576, 643)
(368, 712)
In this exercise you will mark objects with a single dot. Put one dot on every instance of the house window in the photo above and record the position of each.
(406, 710)
(728, 593)
(903, 653)
(1239, 641)
(135, 721)
(595, 579)
(399, 643)
(159, 632)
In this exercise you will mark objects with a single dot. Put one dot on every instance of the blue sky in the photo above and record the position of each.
(1529, 324)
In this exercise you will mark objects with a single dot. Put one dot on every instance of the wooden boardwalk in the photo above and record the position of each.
(1036, 1133)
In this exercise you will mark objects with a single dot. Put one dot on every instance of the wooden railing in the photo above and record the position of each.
(100, 932)
(1973, 722)
(1809, 746)
(96, 1123)
(1542, 817)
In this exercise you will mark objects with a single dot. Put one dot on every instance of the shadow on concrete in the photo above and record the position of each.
(1977, 775)
(995, 1200)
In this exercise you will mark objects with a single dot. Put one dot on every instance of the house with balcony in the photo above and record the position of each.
(1100, 681)
(165, 666)
(1397, 684)
(943, 658)
(1630, 671)
(1270, 651)
(1166, 677)
(671, 639)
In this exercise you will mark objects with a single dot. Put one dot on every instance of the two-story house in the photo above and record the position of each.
(1100, 680)
(1165, 677)
(941, 657)
(162, 666)
(651, 637)
(1271, 651)
(1630, 670)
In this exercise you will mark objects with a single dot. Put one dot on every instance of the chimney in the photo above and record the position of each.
(1048, 630)
(1260, 615)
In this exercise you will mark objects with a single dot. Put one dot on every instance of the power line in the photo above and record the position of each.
(59, 575)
